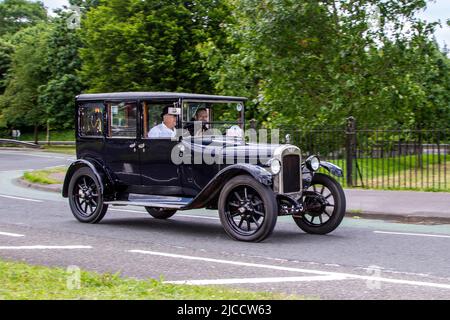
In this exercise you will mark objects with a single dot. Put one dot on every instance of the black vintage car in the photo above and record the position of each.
(169, 152)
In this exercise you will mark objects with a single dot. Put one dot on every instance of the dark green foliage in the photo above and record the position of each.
(18, 14)
(149, 45)
(315, 63)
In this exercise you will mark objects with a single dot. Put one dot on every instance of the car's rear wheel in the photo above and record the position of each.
(85, 198)
(159, 213)
(325, 206)
(248, 210)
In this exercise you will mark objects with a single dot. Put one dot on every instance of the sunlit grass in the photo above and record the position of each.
(20, 281)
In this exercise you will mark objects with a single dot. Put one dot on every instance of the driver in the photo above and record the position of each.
(198, 128)
(167, 128)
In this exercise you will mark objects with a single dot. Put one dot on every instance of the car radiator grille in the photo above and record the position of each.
(291, 174)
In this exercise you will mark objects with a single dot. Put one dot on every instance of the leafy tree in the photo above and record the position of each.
(19, 14)
(148, 45)
(6, 50)
(314, 63)
(29, 70)
(56, 96)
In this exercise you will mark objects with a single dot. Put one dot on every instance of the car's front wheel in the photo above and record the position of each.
(325, 206)
(85, 198)
(159, 213)
(248, 210)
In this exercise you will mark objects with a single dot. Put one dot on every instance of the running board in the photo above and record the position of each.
(152, 201)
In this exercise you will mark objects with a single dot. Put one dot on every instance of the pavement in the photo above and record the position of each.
(404, 206)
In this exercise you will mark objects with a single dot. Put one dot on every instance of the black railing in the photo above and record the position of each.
(381, 159)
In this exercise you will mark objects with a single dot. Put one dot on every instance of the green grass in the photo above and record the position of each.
(403, 173)
(44, 176)
(64, 135)
(21, 281)
(61, 149)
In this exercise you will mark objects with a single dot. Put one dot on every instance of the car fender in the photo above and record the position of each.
(332, 168)
(100, 172)
(214, 187)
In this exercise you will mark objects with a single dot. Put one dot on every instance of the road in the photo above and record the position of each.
(363, 259)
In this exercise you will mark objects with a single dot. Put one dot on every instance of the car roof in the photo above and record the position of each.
(154, 95)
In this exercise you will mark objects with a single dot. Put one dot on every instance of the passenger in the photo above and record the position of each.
(201, 117)
(167, 129)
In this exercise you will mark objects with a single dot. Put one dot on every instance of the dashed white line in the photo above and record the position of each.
(14, 235)
(19, 198)
(412, 234)
(46, 248)
(349, 276)
(257, 280)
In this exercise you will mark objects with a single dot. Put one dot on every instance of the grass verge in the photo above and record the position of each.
(61, 149)
(50, 176)
(25, 282)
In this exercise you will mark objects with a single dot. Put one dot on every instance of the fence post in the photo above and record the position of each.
(350, 147)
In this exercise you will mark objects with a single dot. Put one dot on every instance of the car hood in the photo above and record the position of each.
(236, 148)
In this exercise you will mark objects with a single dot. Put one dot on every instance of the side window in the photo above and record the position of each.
(91, 120)
(153, 117)
(122, 120)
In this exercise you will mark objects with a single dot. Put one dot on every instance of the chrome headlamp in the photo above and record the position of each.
(313, 163)
(275, 166)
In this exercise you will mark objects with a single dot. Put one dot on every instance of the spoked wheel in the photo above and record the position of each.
(85, 198)
(325, 206)
(160, 213)
(248, 210)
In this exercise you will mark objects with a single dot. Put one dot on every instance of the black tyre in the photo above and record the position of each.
(85, 198)
(248, 210)
(159, 213)
(325, 206)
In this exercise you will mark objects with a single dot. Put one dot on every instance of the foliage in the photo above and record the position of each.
(19, 14)
(315, 63)
(29, 71)
(148, 45)
(56, 97)
(6, 50)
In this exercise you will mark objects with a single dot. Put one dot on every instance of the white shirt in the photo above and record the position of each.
(161, 131)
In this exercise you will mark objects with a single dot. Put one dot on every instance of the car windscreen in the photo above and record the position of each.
(213, 118)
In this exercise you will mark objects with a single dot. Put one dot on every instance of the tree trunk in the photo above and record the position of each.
(36, 132)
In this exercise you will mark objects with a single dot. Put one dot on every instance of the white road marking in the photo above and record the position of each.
(179, 215)
(15, 235)
(46, 248)
(412, 234)
(256, 280)
(299, 270)
(197, 217)
(19, 198)
(34, 155)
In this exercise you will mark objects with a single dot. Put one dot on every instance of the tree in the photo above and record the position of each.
(6, 50)
(19, 14)
(314, 63)
(29, 70)
(148, 45)
(56, 96)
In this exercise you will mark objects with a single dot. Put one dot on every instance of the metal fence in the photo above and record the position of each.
(382, 159)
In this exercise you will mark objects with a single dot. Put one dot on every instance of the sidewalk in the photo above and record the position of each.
(404, 206)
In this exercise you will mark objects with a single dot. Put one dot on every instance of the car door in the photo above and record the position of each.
(121, 150)
(159, 174)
